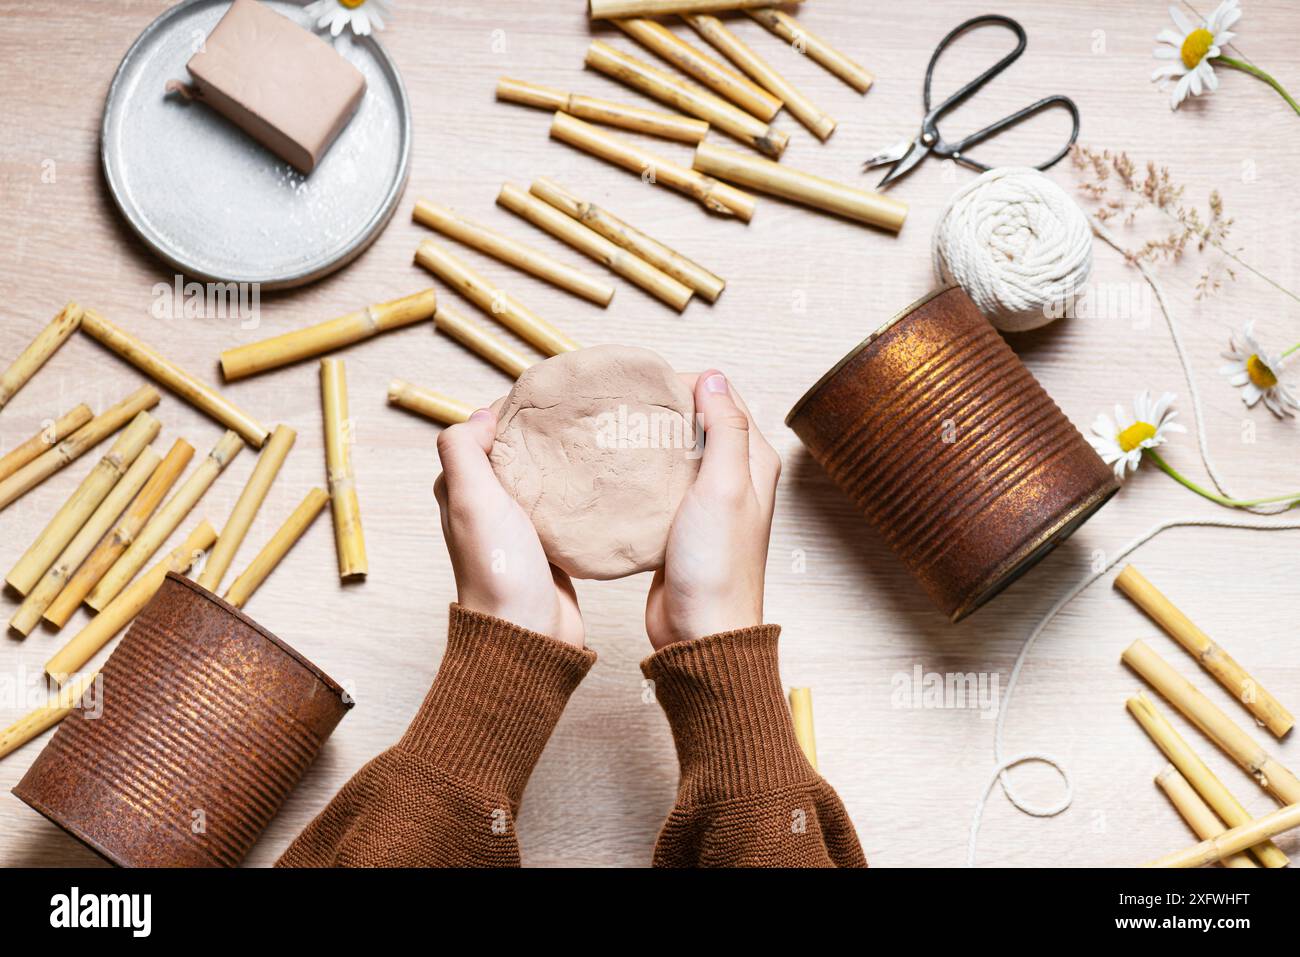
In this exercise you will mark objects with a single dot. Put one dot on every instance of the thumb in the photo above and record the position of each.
(463, 450)
(726, 433)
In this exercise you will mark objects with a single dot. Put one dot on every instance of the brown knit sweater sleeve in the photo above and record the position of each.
(447, 794)
(747, 797)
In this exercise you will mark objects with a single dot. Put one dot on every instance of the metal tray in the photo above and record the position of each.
(214, 203)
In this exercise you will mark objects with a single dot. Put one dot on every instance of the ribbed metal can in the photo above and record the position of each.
(952, 450)
(207, 721)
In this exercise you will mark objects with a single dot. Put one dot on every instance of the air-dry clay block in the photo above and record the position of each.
(598, 446)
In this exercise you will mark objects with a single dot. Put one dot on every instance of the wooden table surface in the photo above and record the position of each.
(803, 288)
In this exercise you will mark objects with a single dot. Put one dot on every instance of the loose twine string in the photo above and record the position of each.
(1003, 765)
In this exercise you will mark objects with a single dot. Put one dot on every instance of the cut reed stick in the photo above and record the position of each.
(74, 553)
(45, 344)
(480, 341)
(121, 610)
(200, 395)
(244, 361)
(821, 124)
(1204, 823)
(276, 548)
(165, 521)
(687, 97)
(865, 206)
(1213, 723)
(1198, 774)
(426, 402)
(608, 9)
(349, 541)
(714, 196)
(1233, 841)
(246, 506)
(801, 714)
(513, 253)
(41, 442)
(668, 126)
(590, 243)
(76, 445)
(1239, 683)
(630, 238)
(27, 571)
(789, 29)
(722, 80)
(64, 700)
(115, 543)
(498, 304)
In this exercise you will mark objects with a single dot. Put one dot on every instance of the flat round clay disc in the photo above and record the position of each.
(598, 446)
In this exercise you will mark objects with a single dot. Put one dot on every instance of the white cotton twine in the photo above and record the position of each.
(1018, 245)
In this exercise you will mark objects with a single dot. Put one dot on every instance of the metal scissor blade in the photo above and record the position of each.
(914, 156)
(891, 155)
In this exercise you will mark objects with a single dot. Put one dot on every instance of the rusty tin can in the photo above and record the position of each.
(208, 722)
(952, 450)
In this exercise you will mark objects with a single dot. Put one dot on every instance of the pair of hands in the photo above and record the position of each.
(712, 579)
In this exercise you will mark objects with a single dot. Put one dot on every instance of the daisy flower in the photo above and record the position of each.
(1255, 372)
(1121, 441)
(359, 15)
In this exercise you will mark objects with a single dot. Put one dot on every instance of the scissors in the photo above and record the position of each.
(906, 154)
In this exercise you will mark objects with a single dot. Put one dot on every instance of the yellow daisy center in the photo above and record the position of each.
(1135, 435)
(353, 4)
(1259, 373)
(1195, 46)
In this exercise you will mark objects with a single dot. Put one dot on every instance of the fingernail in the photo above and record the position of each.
(716, 383)
(480, 415)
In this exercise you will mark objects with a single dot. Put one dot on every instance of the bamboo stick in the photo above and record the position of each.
(513, 253)
(165, 521)
(33, 723)
(276, 548)
(480, 341)
(27, 571)
(115, 543)
(590, 243)
(1213, 723)
(714, 196)
(820, 123)
(246, 506)
(123, 609)
(865, 206)
(1198, 774)
(630, 238)
(1198, 815)
(722, 80)
(200, 395)
(426, 402)
(244, 361)
(609, 9)
(791, 31)
(349, 540)
(1233, 841)
(1267, 709)
(76, 445)
(45, 344)
(498, 304)
(56, 431)
(74, 553)
(687, 97)
(669, 126)
(801, 714)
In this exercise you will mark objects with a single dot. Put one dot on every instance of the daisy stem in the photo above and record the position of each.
(1169, 470)
(1291, 350)
(1257, 72)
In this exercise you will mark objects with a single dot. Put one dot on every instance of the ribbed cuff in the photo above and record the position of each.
(499, 692)
(728, 715)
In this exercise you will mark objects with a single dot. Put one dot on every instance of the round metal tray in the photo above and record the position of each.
(217, 205)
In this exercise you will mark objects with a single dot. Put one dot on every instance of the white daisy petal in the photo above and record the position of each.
(1167, 70)
(1180, 91)
(1169, 36)
(1184, 25)
(1165, 53)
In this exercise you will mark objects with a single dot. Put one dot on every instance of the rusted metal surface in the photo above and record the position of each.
(208, 722)
(952, 450)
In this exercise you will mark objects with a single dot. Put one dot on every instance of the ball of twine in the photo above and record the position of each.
(1018, 245)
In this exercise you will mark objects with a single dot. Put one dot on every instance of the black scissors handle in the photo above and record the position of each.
(955, 151)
